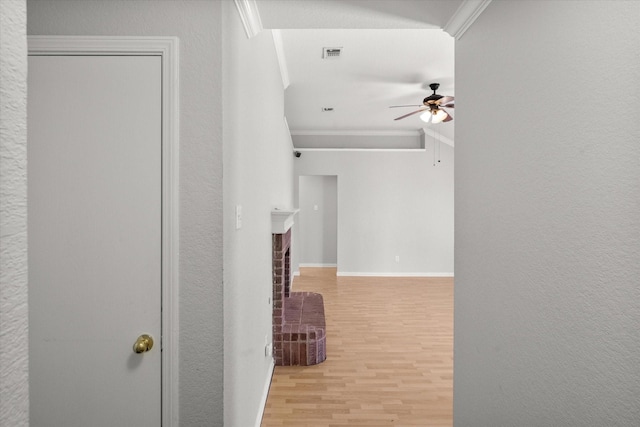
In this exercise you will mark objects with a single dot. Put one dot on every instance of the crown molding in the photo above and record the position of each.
(464, 17)
(356, 132)
(282, 59)
(424, 133)
(250, 17)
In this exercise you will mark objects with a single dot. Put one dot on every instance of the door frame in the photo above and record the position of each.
(167, 49)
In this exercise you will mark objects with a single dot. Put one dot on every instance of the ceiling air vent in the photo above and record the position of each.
(331, 52)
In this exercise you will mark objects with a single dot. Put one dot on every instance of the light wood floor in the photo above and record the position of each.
(389, 356)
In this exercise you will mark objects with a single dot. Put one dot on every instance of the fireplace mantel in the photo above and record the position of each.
(282, 220)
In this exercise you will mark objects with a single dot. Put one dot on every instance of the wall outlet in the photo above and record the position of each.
(267, 346)
(397, 258)
(268, 349)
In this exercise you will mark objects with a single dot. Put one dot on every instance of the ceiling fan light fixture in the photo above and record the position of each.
(439, 116)
(430, 108)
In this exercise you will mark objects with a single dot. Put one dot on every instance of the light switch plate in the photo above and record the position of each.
(238, 217)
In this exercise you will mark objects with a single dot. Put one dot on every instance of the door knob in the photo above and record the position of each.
(143, 343)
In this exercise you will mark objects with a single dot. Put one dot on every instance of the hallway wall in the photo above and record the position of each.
(258, 176)
(547, 303)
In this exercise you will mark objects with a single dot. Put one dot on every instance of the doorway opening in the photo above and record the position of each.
(318, 220)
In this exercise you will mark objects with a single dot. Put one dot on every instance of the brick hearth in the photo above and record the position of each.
(298, 317)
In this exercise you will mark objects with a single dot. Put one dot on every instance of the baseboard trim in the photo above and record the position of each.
(393, 274)
(265, 394)
(311, 264)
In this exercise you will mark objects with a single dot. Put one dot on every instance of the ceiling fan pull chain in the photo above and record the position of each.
(439, 142)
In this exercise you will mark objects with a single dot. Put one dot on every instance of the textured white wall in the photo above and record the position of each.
(258, 175)
(318, 220)
(547, 302)
(390, 203)
(14, 339)
(198, 24)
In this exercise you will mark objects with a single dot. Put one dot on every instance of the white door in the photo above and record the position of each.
(94, 216)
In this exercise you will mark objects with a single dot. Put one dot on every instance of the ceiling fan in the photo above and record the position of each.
(433, 109)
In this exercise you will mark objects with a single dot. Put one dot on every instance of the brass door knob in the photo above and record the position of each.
(143, 343)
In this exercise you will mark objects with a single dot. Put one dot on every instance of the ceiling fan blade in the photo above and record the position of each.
(412, 113)
(412, 105)
(448, 106)
(448, 118)
(445, 100)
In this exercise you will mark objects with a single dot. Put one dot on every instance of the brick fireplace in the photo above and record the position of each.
(281, 244)
(298, 317)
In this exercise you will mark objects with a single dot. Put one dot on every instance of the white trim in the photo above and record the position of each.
(421, 133)
(171, 228)
(286, 126)
(167, 48)
(385, 150)
(250, 17)
(282, 220)
(464, 17)
(282, 59)
(392, 274)
(327, 132)
(311, 264)
(265, 394)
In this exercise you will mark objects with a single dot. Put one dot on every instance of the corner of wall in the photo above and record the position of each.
(14, 340)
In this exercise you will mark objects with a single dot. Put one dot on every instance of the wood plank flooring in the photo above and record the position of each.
(389, 356)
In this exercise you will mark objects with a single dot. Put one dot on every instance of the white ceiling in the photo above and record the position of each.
(391, 62)
(303, 14)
